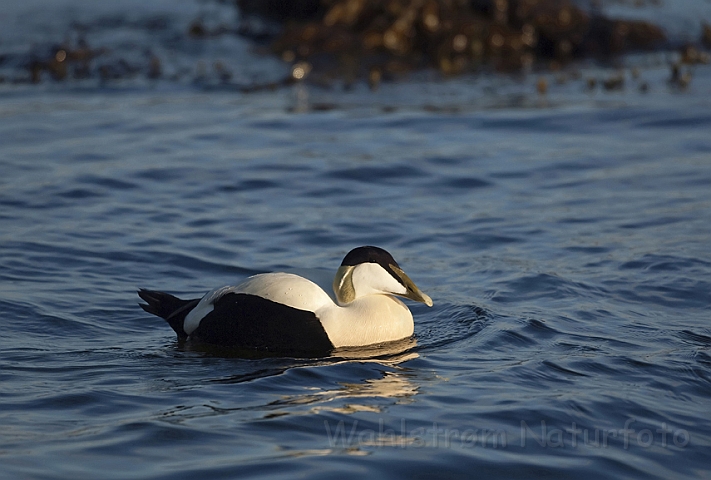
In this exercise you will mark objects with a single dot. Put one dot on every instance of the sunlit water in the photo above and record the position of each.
(566, 247)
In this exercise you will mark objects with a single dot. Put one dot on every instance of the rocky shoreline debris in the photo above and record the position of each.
(376, 39)
(347, 41)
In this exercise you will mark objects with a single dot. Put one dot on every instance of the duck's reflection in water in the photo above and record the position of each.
(352, 364)
(351, 381)
(358, 396)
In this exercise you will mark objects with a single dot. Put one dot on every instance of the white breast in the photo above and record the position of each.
(367, 320)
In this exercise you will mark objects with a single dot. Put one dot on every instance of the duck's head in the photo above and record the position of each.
(372, 270)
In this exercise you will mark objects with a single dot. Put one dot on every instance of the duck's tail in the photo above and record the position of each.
(168, 307)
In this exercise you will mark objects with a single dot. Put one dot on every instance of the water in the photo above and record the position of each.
(566, 248)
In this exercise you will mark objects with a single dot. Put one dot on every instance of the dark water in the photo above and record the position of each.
(567, 250)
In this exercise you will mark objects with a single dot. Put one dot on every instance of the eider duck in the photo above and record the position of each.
(287, 313)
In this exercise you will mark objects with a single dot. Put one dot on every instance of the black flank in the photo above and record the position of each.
(249, 321)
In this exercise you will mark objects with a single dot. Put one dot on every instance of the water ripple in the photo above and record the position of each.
(566, 253)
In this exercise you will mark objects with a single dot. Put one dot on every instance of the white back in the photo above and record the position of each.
(287, 289)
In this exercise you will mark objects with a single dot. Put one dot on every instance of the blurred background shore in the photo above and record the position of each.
(337, 45)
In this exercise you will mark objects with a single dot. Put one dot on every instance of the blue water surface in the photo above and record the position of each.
(566, 248)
